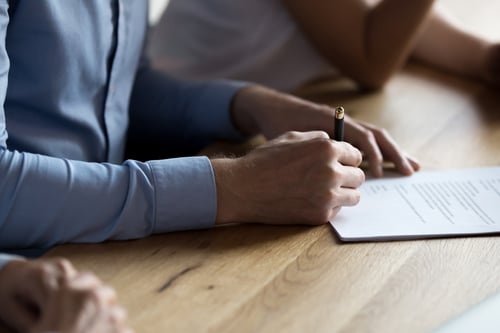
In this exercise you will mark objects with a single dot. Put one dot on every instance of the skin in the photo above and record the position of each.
(300, 175)
(51, 296)
(368, 40)
(463, 53)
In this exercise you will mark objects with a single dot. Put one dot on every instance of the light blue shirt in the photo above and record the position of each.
(75, 91)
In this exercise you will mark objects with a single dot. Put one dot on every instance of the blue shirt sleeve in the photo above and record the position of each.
(5, 258)
(46, 200)
(182, 125)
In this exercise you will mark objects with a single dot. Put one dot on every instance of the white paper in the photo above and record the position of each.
(427, 204)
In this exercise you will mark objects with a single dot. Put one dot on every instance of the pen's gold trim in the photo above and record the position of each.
(339, 112)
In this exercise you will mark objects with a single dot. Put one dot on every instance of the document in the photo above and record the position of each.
(428, 204)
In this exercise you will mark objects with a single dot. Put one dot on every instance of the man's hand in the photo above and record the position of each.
(261, 110)
(300, 177)
(51, 296)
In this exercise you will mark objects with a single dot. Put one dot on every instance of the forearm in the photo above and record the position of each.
(391, 30)
(46, 201)
(367, 43)
(444, 44)
(171, 117)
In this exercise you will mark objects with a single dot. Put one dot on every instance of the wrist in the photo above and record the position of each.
(227, 202)
(7, 258)
(243, 107)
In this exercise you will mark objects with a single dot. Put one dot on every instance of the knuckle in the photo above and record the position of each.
(368, 135)
(326, 173)
(323, 135)
(378, 158)
(336, 173)
(326, 199)
(42, 271)
(356, 197)
(383, 132)
(326, 148)
(91, 296)
(333, 174)
(359, 157)
(290, 135)
(64, 265)
(333, 197)
(110, 292)
(362, 176)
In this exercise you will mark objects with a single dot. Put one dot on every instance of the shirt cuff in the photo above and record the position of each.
(216, 99)
(185, 194)
(5, 258)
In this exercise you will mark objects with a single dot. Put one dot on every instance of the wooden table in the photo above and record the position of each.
(256, 278)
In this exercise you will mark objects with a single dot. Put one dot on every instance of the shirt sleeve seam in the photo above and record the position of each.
(155, 197)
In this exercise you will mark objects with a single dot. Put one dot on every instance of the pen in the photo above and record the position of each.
(338, 134)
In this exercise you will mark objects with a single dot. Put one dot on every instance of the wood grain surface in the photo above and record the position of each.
(255, 278)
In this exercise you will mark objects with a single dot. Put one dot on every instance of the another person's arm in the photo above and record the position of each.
(367, 43)
(41, 296)
(445, 44)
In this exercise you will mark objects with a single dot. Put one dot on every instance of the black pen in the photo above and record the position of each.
(338, 134)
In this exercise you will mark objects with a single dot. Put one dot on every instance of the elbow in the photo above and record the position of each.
(369, 75)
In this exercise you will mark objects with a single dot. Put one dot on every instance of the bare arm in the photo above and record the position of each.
(367, 43)
(446, 45)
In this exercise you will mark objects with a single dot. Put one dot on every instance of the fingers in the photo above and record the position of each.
(66, 269)
(90, 289)
(344, 152)
(366, 141)
(50, 295)
(347, 154)
(30, 286)
(414, 163)
(377, 145)
(84, 280)
(47, 275)
(393, 153)
(346, 176)
(295, 136)
(118, 320)
(346, 197)
(83, 304)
